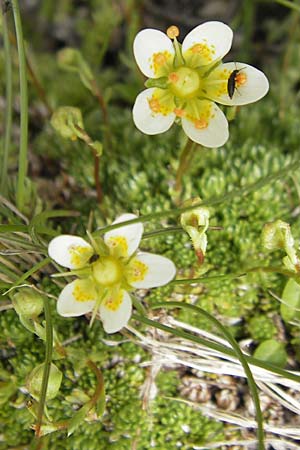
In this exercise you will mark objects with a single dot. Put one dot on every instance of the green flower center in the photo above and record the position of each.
(107, 270)
(184, 82)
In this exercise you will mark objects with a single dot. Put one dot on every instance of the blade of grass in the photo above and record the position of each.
(218, 347)
(23, 106)
(8, 109)
(239, 354)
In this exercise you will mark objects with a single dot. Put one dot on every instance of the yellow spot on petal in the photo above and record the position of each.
(84, 291)
(240, 78)
(200, 112)
(159, 59)
(80, 255)
(201, 124)
(137, 271)
(200, 54)
(173, 32)
(203, 50)
(161, 102)
(159, 63)
(113, 303)
(154, 105)
(118, 246)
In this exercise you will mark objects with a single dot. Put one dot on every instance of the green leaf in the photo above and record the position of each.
(78, 418)
(161, 82)
(271, 351)
(290, 307)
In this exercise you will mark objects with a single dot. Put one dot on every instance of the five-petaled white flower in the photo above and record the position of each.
(106, 270)
(185, 81)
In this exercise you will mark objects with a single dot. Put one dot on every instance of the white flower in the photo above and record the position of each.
(106, 270)
(186, 81)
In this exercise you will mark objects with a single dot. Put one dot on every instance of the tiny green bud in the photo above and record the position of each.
(195, 222)
(277, 235)
(67, 121)
(35, 379)
(27, 302)
(98, 147)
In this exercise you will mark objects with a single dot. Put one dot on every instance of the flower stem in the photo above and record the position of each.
(47, 367)
(8, 111)
(86, 138)
(184, 163)
(23, 106)
(289, 4)
(232, 276)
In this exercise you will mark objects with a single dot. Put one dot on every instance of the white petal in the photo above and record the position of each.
(160, 270)
(145, 119)
(216, 35)
(129, 236)
(68, 306)
(115, 317)
(70, 251)
(147, 43)
(255, 87)
(214, 135)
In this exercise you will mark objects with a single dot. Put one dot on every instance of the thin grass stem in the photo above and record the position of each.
(8, 110)
(23, 163)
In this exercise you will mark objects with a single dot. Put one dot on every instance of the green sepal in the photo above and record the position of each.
(161, 83)
(210, 68)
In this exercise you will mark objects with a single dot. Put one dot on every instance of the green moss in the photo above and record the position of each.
(261, 328)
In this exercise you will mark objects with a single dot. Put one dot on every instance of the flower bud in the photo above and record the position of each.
(27, 302)
(195, 222)
(277, 235)
(67, 121)
(72, 60)
(35, 379)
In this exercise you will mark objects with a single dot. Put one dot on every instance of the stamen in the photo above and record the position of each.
(173, 77)
(173, 32)
(179, 112)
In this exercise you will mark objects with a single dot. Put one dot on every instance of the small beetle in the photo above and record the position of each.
(232, 80)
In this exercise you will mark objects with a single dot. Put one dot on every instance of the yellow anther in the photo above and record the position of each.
(173, 32)
(179, 112)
